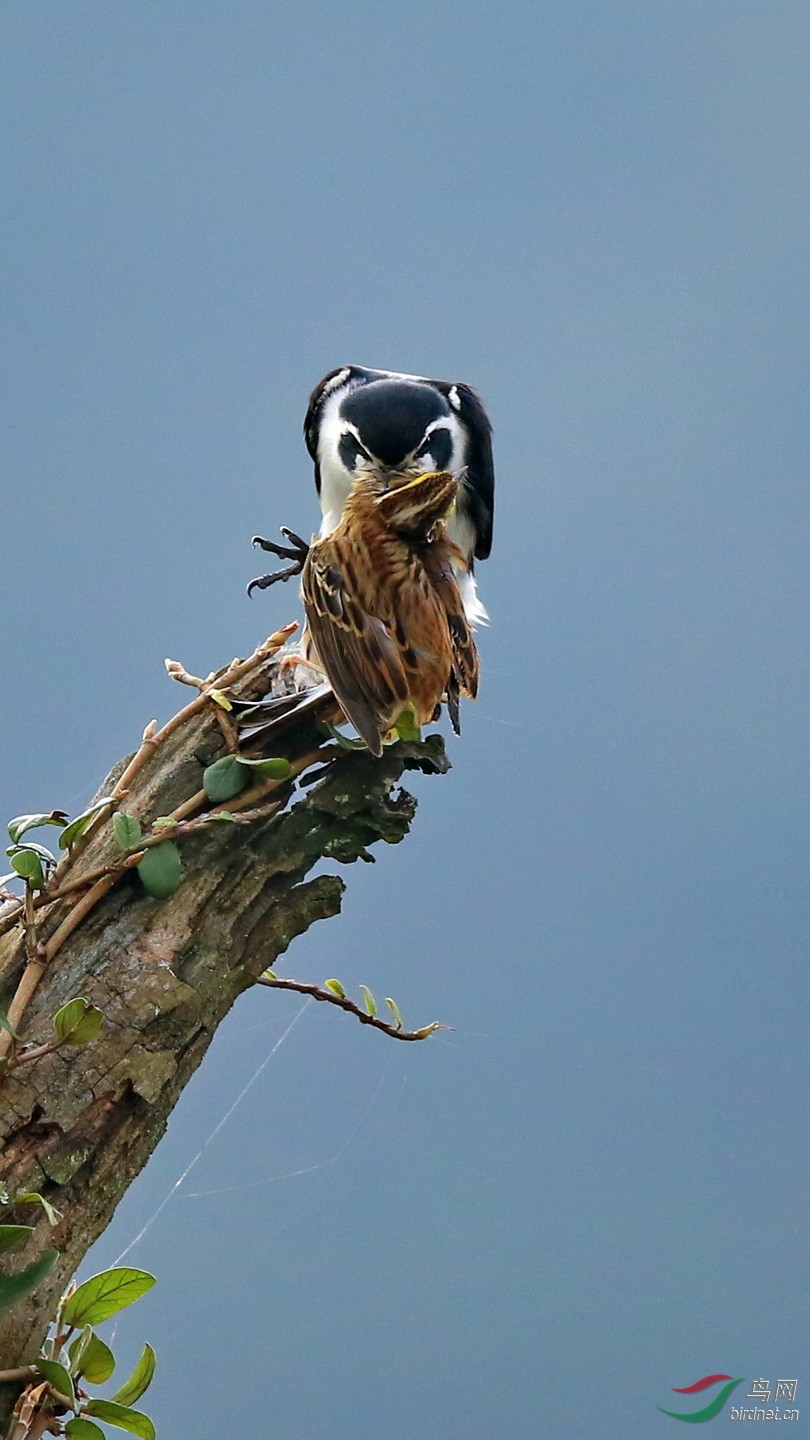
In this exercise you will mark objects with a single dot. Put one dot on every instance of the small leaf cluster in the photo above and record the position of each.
(76, 1023)
(32, 862)
(75, 1356)
(233, 773)
(160, 870)
(333, 990)
(368, 1000)
(12, 1237)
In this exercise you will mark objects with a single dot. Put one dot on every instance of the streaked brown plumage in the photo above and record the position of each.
(383, 607)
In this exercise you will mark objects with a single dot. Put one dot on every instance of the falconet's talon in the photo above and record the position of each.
(301, 546)
(263, 582)
(296, 551)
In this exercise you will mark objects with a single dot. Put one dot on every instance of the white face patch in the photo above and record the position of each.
(337, 380)
(336, 479)
(459, 457)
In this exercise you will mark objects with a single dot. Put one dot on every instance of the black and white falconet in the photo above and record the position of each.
(362, 420)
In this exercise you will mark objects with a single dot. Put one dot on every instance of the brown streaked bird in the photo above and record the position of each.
(383, 605)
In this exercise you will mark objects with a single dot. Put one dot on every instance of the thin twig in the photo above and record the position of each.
(34, 1052)
(102, 879)
(317, 992)
(229, 733)
(30, 924)
(77, 914)
(31, 976)
(81, 882)
(36, 966)
(152, 738)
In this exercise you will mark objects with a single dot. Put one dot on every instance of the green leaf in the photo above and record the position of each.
(77, 1347)
(370, 1002)
(161, 870)
(224, 779)
(139, 1380)
(78, 1022)
(344, 741)
(15, 1287)
(105, 1294)
(5, 1024)
(127, 830)
(406, 726)
(124, 1418)
(77, 827)
(394, 1008)
(277, 768)
(33, 1197)
(57, 1376)
(91, 1357)
(41, 850)
(13, 1236)
(220, 698)
(164, 822)
(21, 824)
(336, 988)
(28, 864)
(220, 817)
(81, 1429)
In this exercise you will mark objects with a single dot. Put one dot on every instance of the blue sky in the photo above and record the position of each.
(593, 1188)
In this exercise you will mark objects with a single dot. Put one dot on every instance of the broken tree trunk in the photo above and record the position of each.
(78, 1125)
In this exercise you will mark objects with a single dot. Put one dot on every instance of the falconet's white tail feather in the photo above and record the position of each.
(473, 608)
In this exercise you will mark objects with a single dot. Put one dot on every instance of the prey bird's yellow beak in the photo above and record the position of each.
(413, 483)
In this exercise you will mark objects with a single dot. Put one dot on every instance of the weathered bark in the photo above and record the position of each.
(78, 1125)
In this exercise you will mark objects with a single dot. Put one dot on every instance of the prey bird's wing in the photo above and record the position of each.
(355, 649)
(466, 665)
(268, 719)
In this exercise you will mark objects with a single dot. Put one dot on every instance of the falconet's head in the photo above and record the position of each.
(385, 425)
(391, 427)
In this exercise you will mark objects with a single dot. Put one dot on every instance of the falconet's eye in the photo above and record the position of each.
(439, 445)
(350, 451)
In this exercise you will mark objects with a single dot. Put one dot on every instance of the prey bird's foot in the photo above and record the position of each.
(297, 551)
(290, 661)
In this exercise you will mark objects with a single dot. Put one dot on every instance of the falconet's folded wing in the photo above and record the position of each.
(355, 649)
